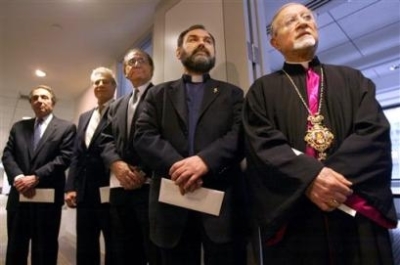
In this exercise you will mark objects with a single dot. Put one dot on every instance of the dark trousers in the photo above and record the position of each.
(38, 222)
(130, 226)
(91, 220)
(194, 237)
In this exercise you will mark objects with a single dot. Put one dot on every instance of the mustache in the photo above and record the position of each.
(201, 49)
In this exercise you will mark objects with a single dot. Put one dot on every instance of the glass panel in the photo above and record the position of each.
(393, 115)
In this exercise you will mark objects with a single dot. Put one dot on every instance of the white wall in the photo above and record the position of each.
(223, 18)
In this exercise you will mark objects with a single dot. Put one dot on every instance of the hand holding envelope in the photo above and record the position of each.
(202, 199)
(187, 173)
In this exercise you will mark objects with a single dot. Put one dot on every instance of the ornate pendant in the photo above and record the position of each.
(318, 136)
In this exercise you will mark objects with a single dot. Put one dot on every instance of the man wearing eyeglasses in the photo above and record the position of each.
(129, 177)
(318, 155)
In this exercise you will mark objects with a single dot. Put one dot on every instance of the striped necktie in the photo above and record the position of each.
(37, 134)
(131, 110)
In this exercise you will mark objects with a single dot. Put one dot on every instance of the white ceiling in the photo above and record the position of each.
(364, 34)
(67, 39)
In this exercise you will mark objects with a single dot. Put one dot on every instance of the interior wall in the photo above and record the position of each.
(86, 100)
(223, 18)
(14, 107)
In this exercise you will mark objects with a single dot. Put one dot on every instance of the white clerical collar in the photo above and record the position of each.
(304, 64)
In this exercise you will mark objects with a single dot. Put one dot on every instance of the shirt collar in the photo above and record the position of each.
(188, 78)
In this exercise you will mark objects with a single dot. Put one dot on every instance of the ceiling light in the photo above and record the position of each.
(40, 73)
(394, 67)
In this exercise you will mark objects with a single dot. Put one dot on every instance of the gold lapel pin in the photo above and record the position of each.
(215, 90)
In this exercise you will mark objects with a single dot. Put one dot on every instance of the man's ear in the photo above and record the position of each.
(178, 52)
(274, 43)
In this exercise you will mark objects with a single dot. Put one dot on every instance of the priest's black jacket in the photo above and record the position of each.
(275, 123)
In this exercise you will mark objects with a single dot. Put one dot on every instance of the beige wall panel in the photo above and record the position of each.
(185, 14)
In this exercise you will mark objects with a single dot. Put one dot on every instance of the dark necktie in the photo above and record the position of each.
(131, 110)
(312, 92)
(37, 134)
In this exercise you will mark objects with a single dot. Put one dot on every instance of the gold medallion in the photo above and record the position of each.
(318, 136)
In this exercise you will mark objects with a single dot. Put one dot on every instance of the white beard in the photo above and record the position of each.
(305, 42)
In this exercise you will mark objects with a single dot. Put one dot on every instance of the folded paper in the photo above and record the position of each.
(203, 199)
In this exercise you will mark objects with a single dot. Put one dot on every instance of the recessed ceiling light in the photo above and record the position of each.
(40, 73)
(394, 67)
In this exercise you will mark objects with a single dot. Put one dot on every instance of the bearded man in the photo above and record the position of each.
(189, 132)
(319, 156)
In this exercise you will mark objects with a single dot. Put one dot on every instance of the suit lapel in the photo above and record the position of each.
(211, 92)
(177, 96)
(100, 127)
(83, 126)
(28, 135)
(50, 130)
(137, 112)
(121, 114)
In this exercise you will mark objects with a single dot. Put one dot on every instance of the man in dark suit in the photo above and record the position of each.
(35, 158)
(189, 131)
(88, 177)
(129, 179)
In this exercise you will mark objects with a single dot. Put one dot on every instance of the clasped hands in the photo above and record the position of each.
(329, 190)
(130, 177)
(26, 185)
(187, 173)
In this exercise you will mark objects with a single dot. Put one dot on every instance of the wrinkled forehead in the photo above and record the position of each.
(41, 92)
(101, 76)
(134, 54)
(200, 33)
(288, 10)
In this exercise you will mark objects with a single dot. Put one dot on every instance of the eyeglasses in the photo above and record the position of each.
(136, 60)
(290, 21)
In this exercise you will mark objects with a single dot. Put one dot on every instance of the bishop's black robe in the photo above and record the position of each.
(275, 122)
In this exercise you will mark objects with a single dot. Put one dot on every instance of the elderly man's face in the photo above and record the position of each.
(137, 68)
(197, 53)
(294, 29)
(41, 102)
(104, 88)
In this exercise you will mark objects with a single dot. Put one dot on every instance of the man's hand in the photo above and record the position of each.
(129, 177)
(29, 193)
(187, 173)
(25, 183)
(329, 190)
(70, 199)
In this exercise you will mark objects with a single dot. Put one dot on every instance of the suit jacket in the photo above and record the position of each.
(117, 143)
(87, 172)
(161, 139)
(49, 161)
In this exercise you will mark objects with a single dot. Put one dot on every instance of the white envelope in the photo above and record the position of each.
(42, 195)
(114, 182)
(104, 194)
(202, 200)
